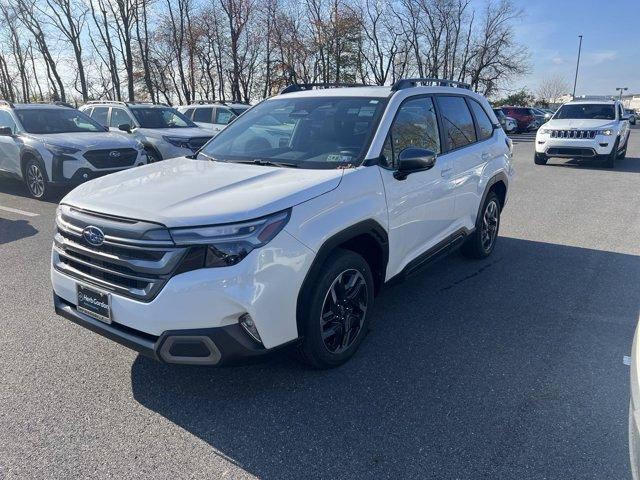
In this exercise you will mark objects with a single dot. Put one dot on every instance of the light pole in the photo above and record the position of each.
(575, 81)
(621, 89)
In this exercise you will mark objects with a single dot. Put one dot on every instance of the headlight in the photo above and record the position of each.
(606, 132)
(177, 141)
(228, 244)
(59, 150)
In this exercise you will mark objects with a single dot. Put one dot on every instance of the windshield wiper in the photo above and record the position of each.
(266, 163)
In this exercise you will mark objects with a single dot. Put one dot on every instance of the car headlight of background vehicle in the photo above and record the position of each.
(60, 150)
(177, 141)
(226, 245)
(606, 132)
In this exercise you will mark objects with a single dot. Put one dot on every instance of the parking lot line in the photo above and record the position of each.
(20, 212)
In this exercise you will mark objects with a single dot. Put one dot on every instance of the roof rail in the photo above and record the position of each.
(595, 97)
(118, 102)
(6, 103)
(298, 87)
(427, 82)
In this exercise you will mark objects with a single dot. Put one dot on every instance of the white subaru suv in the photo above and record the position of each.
(251, 247)
(49, 145)
(164, 132)
(583, 129)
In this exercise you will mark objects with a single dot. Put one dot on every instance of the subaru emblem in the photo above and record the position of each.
(93, 235)
(114, 154)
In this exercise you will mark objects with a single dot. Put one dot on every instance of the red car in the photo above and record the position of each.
(523, 116)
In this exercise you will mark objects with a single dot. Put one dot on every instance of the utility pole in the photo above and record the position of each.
(621, 89)
(575, 81)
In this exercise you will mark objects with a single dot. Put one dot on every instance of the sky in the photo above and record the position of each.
(610, 46)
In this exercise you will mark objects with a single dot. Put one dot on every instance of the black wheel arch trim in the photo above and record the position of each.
(366, 227)
(498, 177)
(148, 146)
(28, 153)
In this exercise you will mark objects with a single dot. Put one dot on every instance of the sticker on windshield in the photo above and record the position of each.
(339, 158)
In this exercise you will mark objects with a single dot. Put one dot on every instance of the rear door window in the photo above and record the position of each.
(224, 116)
(457, 122)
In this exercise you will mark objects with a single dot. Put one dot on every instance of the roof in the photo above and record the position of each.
(593, 101)
(40, 106)
(373, 91)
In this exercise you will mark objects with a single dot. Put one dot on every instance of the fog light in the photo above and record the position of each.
(250, 327)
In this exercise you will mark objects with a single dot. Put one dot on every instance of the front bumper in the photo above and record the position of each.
(265, 285)
(228, 345)
(69, 170)
(571, 148)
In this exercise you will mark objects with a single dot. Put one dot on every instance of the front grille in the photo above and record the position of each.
(132, 265)
(571, 152)
(197, 142)
(113, 158)
(574, 134)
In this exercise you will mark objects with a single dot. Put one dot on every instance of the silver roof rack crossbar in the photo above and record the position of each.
(427, 82)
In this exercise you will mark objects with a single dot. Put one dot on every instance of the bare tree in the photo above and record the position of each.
(552, 88)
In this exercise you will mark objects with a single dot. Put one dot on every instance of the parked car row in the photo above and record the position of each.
(48, 145)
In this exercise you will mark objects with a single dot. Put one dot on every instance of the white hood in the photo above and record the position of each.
(182, 192)
(579, 124)
(86, 140)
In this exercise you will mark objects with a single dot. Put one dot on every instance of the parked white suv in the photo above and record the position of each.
(584, 129)
(213, 116)
(250, 247)
(48, 144)
(164, 132)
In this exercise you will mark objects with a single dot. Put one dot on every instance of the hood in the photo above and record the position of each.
(579, 124)
(86, 140)
(176, 132)
(182, 192)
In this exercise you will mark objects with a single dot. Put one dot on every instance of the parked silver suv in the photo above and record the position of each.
(164, 132)
(214, 115)
(47, 144)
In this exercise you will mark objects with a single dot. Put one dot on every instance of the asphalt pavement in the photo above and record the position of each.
(506, 368)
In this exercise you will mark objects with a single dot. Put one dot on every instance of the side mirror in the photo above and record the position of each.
(412, 160)
(626, 116)
(6, 132)
(125, 127)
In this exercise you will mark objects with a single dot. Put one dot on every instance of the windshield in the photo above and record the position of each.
(56, 120)
(319, 132)
(583, 111)
(161, 117)
(238, 110)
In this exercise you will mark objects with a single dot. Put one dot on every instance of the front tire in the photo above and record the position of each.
(610, 160)
(481, 242)
(540, 159)
(35, 179)
(335, 315)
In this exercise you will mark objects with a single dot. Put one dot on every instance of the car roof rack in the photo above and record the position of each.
(427, 82)
(299, 87)
(118, 102)
(596, 97)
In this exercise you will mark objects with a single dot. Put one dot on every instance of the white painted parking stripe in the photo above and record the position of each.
(20, 212)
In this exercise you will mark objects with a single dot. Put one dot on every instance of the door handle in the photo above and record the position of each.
(446, 172)
(486, 156)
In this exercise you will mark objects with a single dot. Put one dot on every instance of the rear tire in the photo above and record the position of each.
(35, 179)
(336, 310)
(540, 159)
(481, 242)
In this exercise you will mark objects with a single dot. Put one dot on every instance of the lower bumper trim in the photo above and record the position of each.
(227, 345)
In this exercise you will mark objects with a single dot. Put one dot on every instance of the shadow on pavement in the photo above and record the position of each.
(626, 165)
(510, 367)
(11, 186)
(12, 230)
